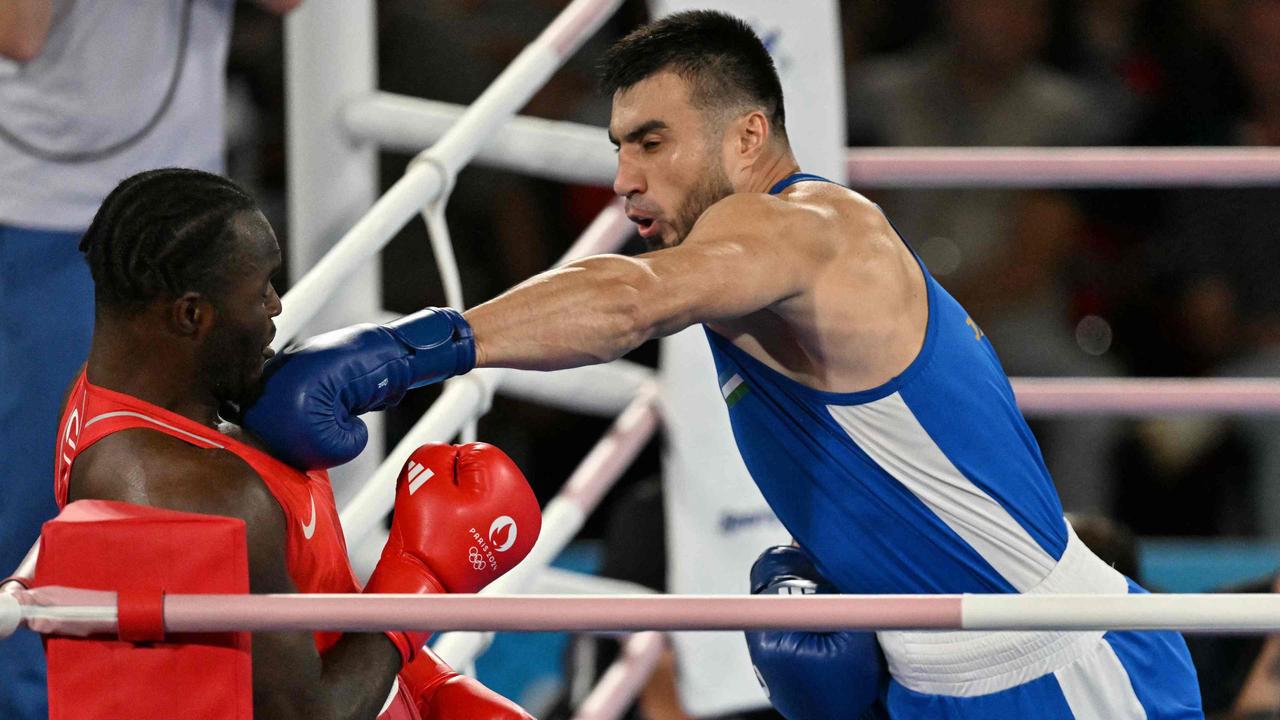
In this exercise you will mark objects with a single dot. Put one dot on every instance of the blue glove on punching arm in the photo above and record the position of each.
(812, 675)
(313, 391)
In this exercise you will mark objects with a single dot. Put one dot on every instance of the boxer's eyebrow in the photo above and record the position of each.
(640, 131)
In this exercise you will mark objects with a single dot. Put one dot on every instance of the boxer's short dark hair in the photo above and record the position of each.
(722, 58)
(162, 233)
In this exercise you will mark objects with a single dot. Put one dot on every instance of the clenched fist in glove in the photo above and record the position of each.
(464, 515)
(314, 391)
(812, 675)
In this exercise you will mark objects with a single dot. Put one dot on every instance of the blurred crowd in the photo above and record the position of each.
(1100, 283)
(1066, 283)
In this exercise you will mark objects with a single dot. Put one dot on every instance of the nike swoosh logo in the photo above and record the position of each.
(309, 528)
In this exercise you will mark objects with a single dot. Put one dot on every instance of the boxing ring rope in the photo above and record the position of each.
(574, 152)
(605, 390)
(624, 679)
(1045, 397)
(468, 397)
(1054, 167)
(77, 612)
(432, 171)
(562, 151)
(1037, 397)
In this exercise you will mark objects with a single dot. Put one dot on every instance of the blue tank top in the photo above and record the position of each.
(929, 483)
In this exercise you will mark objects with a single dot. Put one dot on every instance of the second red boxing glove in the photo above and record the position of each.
(464, 515)
(439, 693)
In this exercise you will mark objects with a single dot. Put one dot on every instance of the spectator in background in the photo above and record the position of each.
(1259, 696)
(1002, 253)
(91, 92)
(1217, 260)
(1111, 47)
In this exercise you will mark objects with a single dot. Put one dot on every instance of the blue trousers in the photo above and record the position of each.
(46, 320)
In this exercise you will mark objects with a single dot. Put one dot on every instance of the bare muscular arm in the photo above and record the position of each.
(290, 678)
(747, 252)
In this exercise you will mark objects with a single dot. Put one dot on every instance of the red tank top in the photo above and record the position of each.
(316, 551)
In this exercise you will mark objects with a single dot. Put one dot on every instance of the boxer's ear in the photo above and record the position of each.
(192, 315)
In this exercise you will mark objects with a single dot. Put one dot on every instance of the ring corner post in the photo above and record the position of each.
(330, 58)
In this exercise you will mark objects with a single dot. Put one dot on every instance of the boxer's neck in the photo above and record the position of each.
(130, 358)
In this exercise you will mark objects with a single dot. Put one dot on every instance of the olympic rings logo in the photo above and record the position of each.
(477, 560)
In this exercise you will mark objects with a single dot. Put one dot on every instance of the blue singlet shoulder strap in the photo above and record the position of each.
(792, 179)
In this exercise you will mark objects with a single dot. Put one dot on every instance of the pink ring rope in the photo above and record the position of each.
(1061, 167)
(1145, 396)
(73, 611)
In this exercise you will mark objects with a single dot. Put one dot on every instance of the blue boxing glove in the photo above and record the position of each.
(812, 675)
(313, 391)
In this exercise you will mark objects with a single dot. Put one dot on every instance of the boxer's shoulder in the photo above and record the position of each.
(148, 467)
(810, 226)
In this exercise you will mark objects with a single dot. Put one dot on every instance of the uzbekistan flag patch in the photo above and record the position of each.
(733, 389)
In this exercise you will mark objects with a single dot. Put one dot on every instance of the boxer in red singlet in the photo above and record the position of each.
(182, 264)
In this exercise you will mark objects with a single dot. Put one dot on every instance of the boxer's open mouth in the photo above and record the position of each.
(646, 225)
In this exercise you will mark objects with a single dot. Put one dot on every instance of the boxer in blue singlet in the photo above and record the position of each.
(869, 407)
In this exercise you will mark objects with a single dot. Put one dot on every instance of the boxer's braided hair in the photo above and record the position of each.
(726, 64)
(162, 233)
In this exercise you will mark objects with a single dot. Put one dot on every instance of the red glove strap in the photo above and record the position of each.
(140, 615)
(424, 675)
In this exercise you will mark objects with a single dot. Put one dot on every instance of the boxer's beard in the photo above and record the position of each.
(715, 186)
(233, 367)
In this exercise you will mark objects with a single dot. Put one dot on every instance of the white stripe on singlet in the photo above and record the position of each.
(891, 435)
(148, 418)
(1098, 687)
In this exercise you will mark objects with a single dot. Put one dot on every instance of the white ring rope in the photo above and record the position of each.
(464, 399)
(450, 276)
(561, 151)
(423, 182)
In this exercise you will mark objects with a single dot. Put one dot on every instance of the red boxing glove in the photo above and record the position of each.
(464, 515)
(442, 694)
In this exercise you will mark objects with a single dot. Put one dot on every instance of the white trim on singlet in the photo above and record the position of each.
(891, 435)
(1098, 687)
(148, 418)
